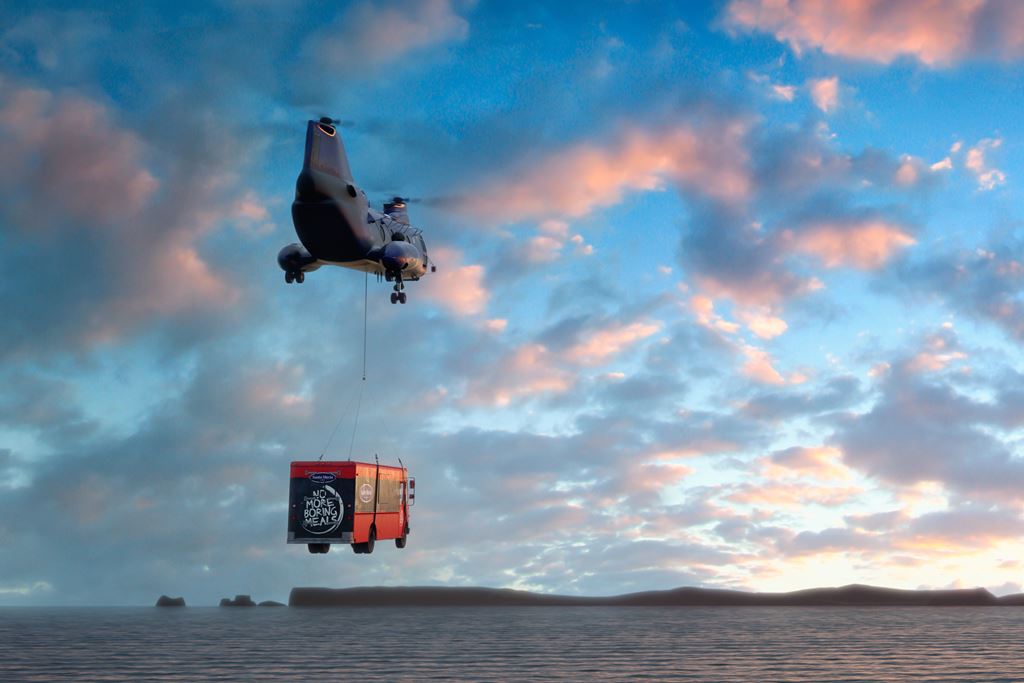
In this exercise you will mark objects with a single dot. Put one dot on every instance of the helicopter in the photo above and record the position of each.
(336, 226)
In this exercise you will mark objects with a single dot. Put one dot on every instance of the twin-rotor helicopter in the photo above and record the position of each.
(337, 227)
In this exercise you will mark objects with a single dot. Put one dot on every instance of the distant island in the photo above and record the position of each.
(854, 595)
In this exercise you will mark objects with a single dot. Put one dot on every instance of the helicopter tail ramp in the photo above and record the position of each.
(325, 152)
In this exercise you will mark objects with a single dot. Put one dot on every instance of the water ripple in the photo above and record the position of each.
(590, 644)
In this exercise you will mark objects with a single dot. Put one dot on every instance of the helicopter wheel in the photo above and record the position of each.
(394, 297)
(288, 277)
(401, 297)
(300, 277)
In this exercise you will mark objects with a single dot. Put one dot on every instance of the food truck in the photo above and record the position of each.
(356, 503)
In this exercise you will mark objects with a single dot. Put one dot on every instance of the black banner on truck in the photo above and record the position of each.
(320, 508)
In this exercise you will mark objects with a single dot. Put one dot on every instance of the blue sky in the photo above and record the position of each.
(728, 295)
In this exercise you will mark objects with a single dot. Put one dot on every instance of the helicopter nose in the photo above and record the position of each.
(398, 256)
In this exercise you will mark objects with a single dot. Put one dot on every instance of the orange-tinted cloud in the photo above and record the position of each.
(935, 32)
(599, 345)
(793, 494)
(576, 180)
(759, 366)
(866, 245)
(825, 93)
(533, 369)
(457, 287)
(821, 462)
(70, 144)
(528, 371)
(988, 176)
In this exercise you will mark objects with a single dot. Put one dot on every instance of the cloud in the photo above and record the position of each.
(370, 36)
(825, 93)
(553, 367)
(458, 288)
(759, 366)
(74, 159)
(988, 176)
(866, 244)
(787, 405)
(819, 462)
(982, 284)
(762, 323)
(939, 351)
(598, 345)
(526, 372)
(784, 92)
(72, 175)
(580, 178)
(921, 429)
(793, 494)
(940, 34)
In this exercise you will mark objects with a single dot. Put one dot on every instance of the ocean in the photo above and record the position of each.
(512, 644)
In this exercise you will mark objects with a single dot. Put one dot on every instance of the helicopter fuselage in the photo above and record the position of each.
(336, 226)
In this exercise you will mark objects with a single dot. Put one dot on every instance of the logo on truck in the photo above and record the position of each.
(366, 493)
(322, 477)
(322, 510)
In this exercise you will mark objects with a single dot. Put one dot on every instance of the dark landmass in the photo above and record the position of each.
(271, 603)
(166, 601)
(854, 595)
(239, 601)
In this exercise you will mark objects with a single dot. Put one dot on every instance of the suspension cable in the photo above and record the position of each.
(358, 398)
(362, 385)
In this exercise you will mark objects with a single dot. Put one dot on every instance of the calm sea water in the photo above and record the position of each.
(509, 644)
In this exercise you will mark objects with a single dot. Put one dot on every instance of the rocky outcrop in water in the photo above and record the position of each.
(167, 601)
(272, 603)
(854, 595)
(239, 601)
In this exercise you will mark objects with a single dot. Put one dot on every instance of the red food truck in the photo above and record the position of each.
(357, 503)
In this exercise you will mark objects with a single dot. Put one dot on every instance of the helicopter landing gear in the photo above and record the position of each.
(297, 276)
(398, 296)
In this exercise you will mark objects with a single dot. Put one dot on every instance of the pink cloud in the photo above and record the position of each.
(825, 93)
(69, 168)
(759, 366)
(820, 462)
(599, 345)
(577, 180)
(543, 249)
(532, 369)
(866, 245)
(529, 370)
(83, 163)
(652, 478)
(372, 35)
(703, 308)
(459, 288)
(939, 351)
(793, 494)
(988, 176)
(935, 32)
(762, 322)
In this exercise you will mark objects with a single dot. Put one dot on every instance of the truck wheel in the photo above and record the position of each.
(370, 541)
(357, 548)
(313, 550)
(400, 541)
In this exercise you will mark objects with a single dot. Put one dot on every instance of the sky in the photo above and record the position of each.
(728, 294)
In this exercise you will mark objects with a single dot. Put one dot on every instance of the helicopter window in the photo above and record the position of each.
(326, 128)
